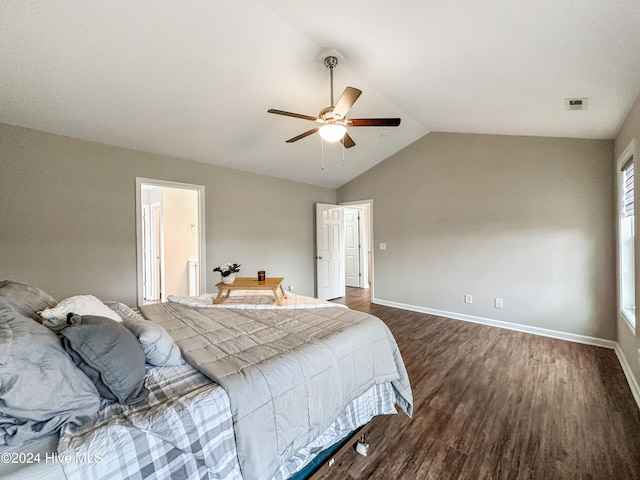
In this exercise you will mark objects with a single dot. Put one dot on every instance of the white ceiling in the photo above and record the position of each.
(194, 79)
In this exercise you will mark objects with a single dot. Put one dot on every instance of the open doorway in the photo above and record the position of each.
(170, 239)
(343, 248)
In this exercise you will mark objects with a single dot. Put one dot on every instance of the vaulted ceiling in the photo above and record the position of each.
(194, 79)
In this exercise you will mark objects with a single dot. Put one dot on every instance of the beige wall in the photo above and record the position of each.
(526, 219)
(529, 220)
(630, 343)
(67, 216)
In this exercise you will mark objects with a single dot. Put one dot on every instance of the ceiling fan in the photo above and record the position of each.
(333, 118)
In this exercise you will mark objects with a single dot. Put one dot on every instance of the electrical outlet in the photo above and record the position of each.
(383, 246)
(291, 288)
(468, 298)
(498, 302)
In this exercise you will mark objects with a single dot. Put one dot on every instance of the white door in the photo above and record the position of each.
(146, 251)
(151, 215)
(330, 273)
(157, 266)
(353, 274)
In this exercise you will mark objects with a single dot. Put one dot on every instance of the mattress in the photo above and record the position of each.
(288, 371)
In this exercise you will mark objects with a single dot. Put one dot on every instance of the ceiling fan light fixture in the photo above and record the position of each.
(332, 132)
(333, 119)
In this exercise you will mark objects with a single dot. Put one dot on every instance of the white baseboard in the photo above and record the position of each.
(633, 385)
(545, 332)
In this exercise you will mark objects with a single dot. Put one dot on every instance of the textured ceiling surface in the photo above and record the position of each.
(194, 79)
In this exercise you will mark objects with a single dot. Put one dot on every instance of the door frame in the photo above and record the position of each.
(368, 204)
(140, 181)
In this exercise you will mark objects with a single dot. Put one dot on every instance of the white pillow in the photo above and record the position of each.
(55, 318)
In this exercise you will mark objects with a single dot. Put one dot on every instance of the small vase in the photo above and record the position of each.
(229, 279)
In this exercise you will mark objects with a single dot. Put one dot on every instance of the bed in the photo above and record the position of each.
(256, 390)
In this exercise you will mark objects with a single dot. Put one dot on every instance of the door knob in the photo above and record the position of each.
(319, 258)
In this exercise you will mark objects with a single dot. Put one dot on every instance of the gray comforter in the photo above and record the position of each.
(287, 372)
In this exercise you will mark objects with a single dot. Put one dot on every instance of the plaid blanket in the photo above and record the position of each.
(183, 431)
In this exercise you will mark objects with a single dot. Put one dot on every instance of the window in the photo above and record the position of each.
(626, 234)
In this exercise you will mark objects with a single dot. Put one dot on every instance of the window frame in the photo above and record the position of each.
(628, 155)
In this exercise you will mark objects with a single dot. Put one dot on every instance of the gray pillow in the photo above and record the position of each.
(24, 299)
(124, 312)
(40, 387)
(109, 355)
(159, 348)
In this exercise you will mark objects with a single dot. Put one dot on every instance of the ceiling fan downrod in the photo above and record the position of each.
(331, 63)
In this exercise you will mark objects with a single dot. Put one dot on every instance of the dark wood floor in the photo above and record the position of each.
(498, 404)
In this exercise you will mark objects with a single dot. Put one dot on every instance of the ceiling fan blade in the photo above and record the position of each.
(347, 141)
(289, 114)
(302, 135)
(346, 101)
(373, 122)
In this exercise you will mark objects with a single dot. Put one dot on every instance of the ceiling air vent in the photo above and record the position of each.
(575, 103)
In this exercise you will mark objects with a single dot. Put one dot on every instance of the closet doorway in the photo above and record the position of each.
(170, 239)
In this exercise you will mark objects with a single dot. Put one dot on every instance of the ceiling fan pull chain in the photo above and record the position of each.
(322, 141)
(343, 149)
